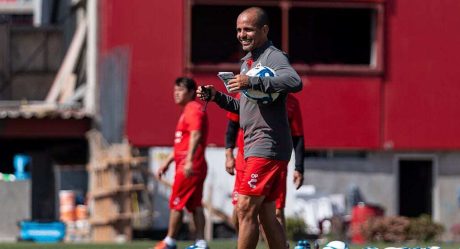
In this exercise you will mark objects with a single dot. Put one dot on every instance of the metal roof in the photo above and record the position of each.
(39, 110)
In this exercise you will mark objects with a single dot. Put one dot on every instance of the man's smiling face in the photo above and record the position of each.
(248, 33)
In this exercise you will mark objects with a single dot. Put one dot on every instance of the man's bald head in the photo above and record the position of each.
(252, 28)
(259, 14)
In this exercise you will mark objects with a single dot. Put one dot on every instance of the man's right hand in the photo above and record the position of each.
(161, 171)
(203, 92)
(229, 161)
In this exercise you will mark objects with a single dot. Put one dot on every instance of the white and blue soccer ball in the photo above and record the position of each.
(259, 96)
(336, 244)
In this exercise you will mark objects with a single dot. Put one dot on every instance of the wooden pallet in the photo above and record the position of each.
(111, 189)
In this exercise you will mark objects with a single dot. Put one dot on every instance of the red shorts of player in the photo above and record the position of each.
(239, 171)
(187, 192)
(263, 177)
(281, 198)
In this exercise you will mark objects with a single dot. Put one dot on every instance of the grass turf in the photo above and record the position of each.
(217, 244)
(223, 244)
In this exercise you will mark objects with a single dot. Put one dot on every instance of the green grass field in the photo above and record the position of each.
(218, 244)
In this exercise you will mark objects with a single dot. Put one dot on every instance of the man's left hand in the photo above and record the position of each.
(240, 82)
(298, 179)
(188, 169)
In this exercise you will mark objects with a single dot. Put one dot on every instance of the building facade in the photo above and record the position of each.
(380, 98)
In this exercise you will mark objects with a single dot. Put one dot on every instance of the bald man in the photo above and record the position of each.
(267, 137)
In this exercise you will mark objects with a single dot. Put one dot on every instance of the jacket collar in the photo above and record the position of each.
(255, 53)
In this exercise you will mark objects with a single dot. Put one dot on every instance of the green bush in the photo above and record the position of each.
(295, 228)
(386, 229)
(424, 229)
(397, 229)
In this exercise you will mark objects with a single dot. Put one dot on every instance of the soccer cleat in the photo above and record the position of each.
(302, 244)
(163, 245)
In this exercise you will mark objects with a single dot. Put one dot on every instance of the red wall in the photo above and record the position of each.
(341, 112)
(153, 32)
(422, 88)
(413, 106)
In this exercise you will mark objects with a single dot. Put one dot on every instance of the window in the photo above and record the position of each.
(16, 19)
(330, 36)
(330, 154)
(319, 36)
(213, 33)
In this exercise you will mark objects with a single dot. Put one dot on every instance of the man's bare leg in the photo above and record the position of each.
(248, 211)
(198, 218)
(235, 218)
(281, 218)
(175, 222)
(274, 232)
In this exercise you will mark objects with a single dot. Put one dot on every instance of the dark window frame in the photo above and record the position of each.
(375, 68)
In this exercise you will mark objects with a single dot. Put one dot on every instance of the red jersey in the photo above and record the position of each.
(191, 119)
(240, 137)
(294, 116)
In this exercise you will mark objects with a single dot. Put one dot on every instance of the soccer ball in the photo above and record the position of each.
(258, 96)
(336, 245)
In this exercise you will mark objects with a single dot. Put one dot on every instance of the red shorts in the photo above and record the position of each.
(187, 192)
(264, 177)
(281, 198)
(239, 171)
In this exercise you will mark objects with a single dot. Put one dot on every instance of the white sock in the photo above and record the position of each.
(201, 243)
(169, 241)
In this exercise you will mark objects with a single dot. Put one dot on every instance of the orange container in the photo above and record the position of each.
(67, 213)
(359, 215)
(81, 212)
(67, 205)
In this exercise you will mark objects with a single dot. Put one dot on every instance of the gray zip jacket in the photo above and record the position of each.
(266, 126)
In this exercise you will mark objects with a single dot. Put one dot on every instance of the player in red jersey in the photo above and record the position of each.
(234, 137)
(296, 126)
(191, 168)
(235, 165)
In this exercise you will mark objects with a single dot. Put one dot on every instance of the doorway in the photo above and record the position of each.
(415, 187)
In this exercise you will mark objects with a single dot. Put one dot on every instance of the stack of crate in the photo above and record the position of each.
(74, 216)
(111, 189)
